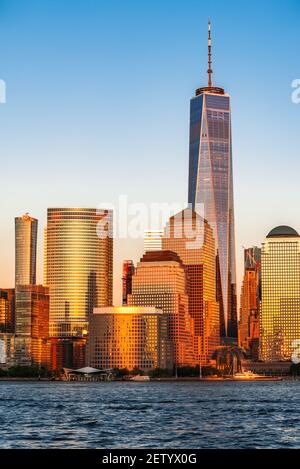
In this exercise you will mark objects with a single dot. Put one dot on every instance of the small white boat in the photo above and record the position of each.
(140, 378)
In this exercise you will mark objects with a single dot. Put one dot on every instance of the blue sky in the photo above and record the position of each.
(98, 105)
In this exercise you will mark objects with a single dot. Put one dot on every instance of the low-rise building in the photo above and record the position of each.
(129, 337)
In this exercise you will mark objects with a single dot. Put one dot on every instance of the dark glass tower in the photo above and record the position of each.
(211, 186)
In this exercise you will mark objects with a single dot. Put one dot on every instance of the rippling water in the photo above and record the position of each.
(150, 415)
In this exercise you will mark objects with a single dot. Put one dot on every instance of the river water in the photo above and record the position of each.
(150, 415)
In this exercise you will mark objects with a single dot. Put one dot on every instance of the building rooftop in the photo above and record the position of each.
(127, 310)
(282, 232)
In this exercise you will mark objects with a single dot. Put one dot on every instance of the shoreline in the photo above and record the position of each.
(156, 380)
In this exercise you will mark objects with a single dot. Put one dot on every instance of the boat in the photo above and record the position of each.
(249, 375)
(140, 378)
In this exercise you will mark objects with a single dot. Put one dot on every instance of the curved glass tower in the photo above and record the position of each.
(78, 267)
(211, 186)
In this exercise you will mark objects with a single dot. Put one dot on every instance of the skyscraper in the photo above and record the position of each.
(160, 281)
(210, 190)
(25, 250)
(191, 238)
(32, 326)
(7, 309)
(280, 294)
(250, 299)
(78, 267)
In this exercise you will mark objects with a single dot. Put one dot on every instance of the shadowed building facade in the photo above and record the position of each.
(129, 337)
(160, 281)
(280, 294)
(250, 300)
(210, 190)
(127, 273)
(191, 238)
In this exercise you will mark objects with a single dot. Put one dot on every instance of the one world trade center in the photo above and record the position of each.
(211, 186)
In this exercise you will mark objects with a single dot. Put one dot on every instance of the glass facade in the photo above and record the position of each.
(129, 337)
(78, 267)
(250, 301)
(211, 190)
(32, 326)
(25, 250)
(280, 288)
(7, 309)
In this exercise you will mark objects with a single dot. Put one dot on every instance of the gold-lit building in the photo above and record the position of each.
(129, 337)
(31, 344)
(7, 310)
(160, 281)
(280, 290)
(25, 250)
(191, 237)
(78, 267)
(248, 330)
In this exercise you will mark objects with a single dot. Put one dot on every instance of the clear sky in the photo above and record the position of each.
(98, 105)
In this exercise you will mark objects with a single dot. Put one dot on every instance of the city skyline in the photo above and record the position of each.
(150, 230)
(251, 159)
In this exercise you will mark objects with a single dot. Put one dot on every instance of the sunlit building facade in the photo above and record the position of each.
(191, 237)
(250, 303)
(210, 190)
(7, 310)
(26, 229)
(160, 281)
(78, 267)
(280, 290)
(129, 337)
(152, 240)
(32, 346)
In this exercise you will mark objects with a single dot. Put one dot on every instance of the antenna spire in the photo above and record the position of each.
(209, 71)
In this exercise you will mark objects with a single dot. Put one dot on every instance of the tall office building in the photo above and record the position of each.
(25, 250)
(191, 237)
(78, 267)
(280, 294)
(127, 273)
(32, 326)
(129, 337)
(152, 240)
(210, 189)
(250, 300)
(160, 281)
(7, 310)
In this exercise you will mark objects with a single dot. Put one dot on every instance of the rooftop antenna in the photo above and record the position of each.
(209, 71)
